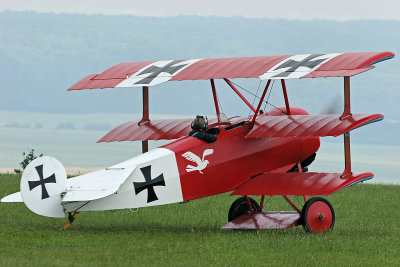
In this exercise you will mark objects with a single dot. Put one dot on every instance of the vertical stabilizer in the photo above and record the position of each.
(42, 183)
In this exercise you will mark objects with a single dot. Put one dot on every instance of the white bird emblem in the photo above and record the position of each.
(201, 163)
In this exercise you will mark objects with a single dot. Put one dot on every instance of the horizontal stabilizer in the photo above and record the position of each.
(16, 197)
(309, 125)
(299, 184)
(96, 185)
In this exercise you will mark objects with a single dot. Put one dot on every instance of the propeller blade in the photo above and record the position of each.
(334, 106)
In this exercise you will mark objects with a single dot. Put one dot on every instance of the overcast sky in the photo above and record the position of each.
(288, 9)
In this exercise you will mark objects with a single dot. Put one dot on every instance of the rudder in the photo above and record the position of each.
(42, 183)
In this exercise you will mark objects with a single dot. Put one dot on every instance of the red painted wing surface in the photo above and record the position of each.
(299, 184)
(137, 74)
(152, 130)
(309, 125)
(167, 129)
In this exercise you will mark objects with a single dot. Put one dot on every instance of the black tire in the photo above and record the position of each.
(239, 207)
(317, 216)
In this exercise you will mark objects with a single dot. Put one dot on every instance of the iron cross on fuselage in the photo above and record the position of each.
(149, 184)
(154, 71)
(293, 65)
(42, 182)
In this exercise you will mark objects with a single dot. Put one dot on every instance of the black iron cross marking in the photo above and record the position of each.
(42, 182)
(293, 65)
(154, 71)
(149, 184)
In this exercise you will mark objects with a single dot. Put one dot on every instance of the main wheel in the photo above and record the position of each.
(317, 215)
(239, 207)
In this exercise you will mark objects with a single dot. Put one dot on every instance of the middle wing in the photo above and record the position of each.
(167, 129)
(309, 125)
(152, 130)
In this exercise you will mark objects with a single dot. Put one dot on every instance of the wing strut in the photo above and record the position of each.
(285, 96)
(145, 117)
(347, 107)
(215, 100)
(240, 95)
(260, 103)
(346, 113)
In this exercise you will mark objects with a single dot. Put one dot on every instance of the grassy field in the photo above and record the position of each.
(366, 233)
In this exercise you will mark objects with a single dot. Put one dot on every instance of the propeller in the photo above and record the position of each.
(334, 106)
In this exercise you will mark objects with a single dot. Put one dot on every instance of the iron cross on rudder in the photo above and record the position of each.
(42, 182)
(149, 184)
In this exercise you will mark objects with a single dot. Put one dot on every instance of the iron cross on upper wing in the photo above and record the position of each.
(292, 65)
(155, 71)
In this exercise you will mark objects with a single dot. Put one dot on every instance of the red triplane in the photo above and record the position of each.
(263, 154)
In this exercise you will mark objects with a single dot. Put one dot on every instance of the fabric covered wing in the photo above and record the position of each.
(299, 184)
(137, 74)
(152, 130)
(309, 125)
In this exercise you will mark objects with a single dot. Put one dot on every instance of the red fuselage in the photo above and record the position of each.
(235, 159)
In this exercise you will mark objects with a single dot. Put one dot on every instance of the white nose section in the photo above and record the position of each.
(42, 183)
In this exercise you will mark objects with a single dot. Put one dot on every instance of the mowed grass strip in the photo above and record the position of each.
(366, 233)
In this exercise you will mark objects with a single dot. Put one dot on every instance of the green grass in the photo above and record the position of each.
(366, 233)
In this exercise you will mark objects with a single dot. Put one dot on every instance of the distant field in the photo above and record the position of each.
(366, 233)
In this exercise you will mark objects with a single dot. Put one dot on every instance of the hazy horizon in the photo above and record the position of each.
(341, 10)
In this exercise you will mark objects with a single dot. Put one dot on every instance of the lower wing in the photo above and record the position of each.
(298, 184)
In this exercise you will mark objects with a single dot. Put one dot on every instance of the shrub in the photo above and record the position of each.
(28, 158)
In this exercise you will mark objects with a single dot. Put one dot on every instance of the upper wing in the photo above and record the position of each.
(309, 125)
(192, 157)
(137, 74)
(299, 184)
